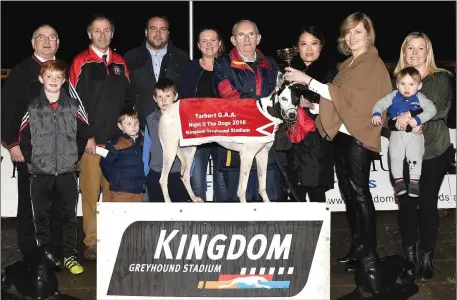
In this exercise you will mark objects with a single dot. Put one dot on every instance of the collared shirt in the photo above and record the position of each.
(100, 53)
(245, 59)
(41, 58)
(157, 58)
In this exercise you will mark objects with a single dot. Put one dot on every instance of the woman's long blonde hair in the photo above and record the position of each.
(350, 22)
(429, 60)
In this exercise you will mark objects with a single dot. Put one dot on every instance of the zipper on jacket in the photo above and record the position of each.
(55, 134)
(196, 86)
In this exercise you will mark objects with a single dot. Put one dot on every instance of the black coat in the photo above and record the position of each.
(310, 162)
(139, 64)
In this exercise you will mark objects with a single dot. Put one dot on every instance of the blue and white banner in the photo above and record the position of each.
(380, 185)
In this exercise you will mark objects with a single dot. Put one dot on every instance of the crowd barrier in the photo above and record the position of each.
(380, 185)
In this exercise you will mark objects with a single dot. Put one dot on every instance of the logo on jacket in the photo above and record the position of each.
(117, 70)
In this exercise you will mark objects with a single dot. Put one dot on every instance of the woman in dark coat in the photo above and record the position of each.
(310, 162)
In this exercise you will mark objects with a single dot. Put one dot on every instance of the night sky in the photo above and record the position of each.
(279, 23)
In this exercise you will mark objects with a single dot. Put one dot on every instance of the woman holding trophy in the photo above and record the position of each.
(310, 161)
(345, 118)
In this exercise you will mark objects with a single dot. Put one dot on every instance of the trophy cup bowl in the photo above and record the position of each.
(287, 54)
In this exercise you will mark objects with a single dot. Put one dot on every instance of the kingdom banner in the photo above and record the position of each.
(380, 185)
(205, 120)
(219, 251)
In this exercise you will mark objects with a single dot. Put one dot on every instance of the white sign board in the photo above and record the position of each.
(213, 251)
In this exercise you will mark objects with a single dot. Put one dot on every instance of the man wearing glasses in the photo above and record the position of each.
(21, 86)
(99, 79)
(154, 59)
(246, 73)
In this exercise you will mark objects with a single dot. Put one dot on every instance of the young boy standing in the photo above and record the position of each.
(123, 165)
(406, 143)
(53, 136)
(165, 93)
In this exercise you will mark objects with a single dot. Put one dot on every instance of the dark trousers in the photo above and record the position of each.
(46, 191)
(275, 189)
(24, 219)
(433, 171)
(227, 181)
(316, 194)
(352, 164)
(198, 180)
(176, 189)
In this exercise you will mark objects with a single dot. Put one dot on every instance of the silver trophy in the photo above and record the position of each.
(287, 54)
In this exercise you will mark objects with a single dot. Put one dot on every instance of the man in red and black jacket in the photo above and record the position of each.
(100, 80)
(20, 87)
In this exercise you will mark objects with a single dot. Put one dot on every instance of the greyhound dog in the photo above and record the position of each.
(169, 135)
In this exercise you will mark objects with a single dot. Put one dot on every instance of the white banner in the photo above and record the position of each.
(217, 251)
(380, 186)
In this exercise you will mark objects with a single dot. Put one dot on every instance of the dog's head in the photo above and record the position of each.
(285, 96)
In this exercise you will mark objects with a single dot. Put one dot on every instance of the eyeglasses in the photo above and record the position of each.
(43, 37)
(242, 36)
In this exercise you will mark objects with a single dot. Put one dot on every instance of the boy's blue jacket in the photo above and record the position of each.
(123, 166)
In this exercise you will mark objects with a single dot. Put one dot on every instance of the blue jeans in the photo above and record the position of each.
(229, 187)
(198, 180)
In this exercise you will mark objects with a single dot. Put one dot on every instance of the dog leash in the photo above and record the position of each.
(281, 168)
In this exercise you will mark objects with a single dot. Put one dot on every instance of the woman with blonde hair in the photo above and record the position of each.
(437, 85)
(345, 118)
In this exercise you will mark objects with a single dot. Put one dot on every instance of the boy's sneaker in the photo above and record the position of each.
(73, 265)
(400, 188)
(414, 190)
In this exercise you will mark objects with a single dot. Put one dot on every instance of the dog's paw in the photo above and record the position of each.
(167, 200)
(197, 200)
(266, 201)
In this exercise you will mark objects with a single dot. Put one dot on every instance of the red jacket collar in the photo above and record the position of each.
(238, 63)
(98, 58)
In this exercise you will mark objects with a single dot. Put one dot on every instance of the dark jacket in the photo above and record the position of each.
(233, 78)
(322, 70)
(190, 76)
(104, 90)
(310, 162)
(123, 166)
(21, 86)
(139, 62)
(53, 137)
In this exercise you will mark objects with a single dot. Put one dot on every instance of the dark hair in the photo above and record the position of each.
(127, 112)
(221, 50)
(165, 84)
(99, 18)
(411, 71)
(316, 32)
(158, 17)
